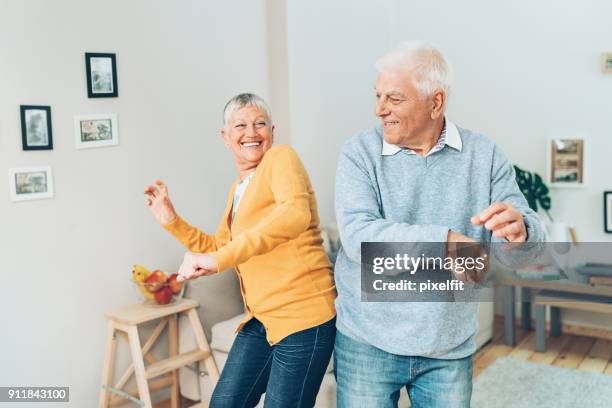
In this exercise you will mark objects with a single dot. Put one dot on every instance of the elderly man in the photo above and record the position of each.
(416, 177)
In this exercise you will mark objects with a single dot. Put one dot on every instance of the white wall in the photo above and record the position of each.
(524, 71)
(67, 260)
(332, 48)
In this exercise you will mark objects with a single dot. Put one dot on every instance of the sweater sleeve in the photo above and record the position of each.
(359, 214)
(290, 217)
(194, 239)
(505, 189)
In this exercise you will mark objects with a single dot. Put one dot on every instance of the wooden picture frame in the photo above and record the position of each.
(566, 162)
(101, 71)
(36, 129)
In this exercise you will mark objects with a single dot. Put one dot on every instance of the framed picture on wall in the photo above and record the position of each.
(98, 130)
(566, 162)
(36, 131)
(606, 62)
(30, 183)
(101, 70)
(608, 211)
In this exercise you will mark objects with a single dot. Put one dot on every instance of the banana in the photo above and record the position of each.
(139, 275)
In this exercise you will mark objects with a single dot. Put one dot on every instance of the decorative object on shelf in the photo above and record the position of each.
(30, 183)
(595, 269)
(101, 75)
(566, 162)
(606, 62)
(36, 131)
(608, 212)
(539, 272)
(96, 130)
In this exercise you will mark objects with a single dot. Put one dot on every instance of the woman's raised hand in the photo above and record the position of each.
(159, 203)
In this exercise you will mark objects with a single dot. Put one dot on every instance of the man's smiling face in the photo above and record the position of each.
(404, 114)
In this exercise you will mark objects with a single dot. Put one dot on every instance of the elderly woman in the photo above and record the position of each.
(269, 233)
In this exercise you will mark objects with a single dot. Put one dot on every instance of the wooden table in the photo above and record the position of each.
(577, 284)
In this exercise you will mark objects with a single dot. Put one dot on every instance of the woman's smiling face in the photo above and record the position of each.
(249, 135)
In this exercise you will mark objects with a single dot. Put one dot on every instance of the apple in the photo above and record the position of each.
(156, 281)
(175, 285)
(163, 296)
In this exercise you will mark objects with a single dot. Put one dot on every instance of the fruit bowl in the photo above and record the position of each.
(157, 289)
(172, 299)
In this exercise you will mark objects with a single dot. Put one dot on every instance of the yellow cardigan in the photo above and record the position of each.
(275, 245)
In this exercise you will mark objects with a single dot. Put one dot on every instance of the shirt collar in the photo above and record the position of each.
(452, 139)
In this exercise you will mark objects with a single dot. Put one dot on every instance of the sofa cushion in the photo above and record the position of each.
(224, 333)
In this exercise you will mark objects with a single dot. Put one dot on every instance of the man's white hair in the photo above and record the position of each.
(430, 70)
(242, 100)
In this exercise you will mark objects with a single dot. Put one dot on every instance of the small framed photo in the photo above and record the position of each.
(96, 130)
(608, 212)
(30, 183)
(566, 162)
(36, 131)
(101, 75)
(606, 62)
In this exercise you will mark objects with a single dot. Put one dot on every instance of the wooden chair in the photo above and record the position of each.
(124, 323)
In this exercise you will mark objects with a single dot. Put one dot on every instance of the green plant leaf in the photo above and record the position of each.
(533, 188)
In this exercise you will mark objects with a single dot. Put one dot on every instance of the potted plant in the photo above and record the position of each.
(536, 193)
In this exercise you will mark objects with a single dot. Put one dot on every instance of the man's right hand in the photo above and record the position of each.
(159, 203)
(457, 243)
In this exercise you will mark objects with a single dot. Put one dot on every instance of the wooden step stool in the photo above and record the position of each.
(124, 322)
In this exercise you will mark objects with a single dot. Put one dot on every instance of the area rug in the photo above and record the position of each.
(515, 383)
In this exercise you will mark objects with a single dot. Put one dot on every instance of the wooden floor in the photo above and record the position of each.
(568, 351)
(185, 403)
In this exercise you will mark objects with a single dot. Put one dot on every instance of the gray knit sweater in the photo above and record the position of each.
(410, 198)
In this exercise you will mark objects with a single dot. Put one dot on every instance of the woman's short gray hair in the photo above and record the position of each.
(430, 69)
(242, 100)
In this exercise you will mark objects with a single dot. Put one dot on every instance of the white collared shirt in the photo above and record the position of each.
(240, 192)
(449, 136)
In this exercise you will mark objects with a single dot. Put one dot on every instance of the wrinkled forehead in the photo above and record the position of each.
(395, 81)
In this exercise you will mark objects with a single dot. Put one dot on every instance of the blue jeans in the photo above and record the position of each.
(290, 372)
(370, 377)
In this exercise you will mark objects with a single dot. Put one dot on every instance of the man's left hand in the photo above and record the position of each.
(504, 220)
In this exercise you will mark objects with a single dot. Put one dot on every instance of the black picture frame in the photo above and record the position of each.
(608, 211)
(101, 86)
(31, 128)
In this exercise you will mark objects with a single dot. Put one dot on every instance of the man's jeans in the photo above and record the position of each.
(290, 372)
(370, 377)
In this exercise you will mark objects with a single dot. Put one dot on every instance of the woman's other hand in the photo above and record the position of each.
(159, 203)
(195, 265)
